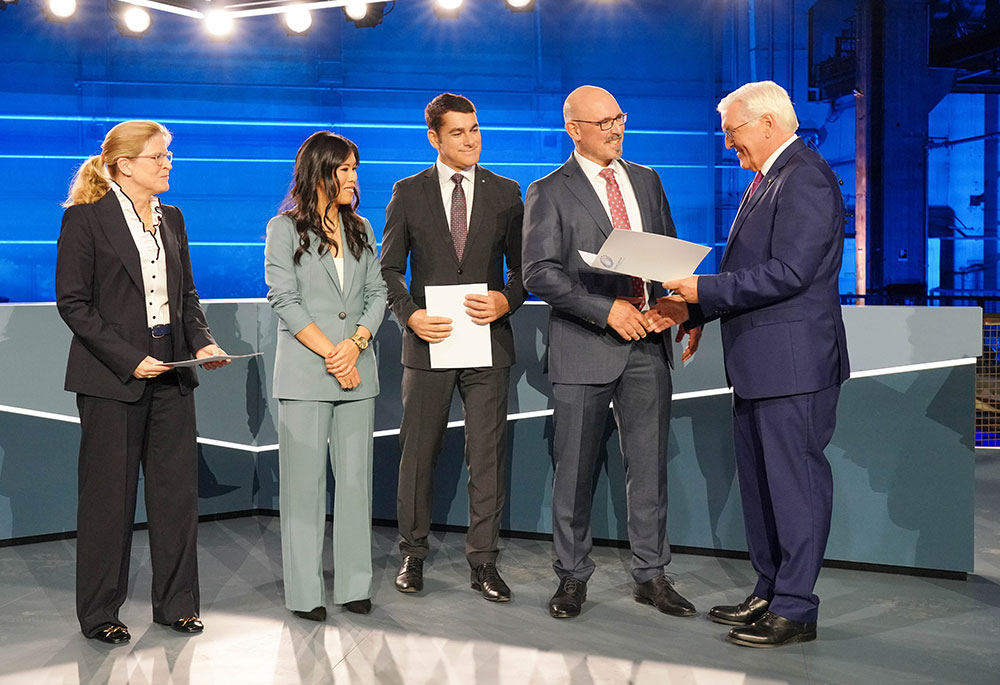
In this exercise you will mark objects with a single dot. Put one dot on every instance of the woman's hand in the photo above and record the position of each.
(342, 358)
(150, 368)
(350, 380)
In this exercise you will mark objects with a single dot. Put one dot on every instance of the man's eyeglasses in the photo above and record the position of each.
(160, 158)
(605, 124)
(730, 131)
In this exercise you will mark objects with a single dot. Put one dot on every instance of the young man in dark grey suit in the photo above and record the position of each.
(456, 223)
(606, 343)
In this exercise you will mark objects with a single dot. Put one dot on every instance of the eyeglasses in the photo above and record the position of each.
(605, 124)
(160, 157)
(730, 131)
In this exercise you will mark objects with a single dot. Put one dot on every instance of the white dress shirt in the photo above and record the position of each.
(445, 173)
(151, 257)
(338, 263)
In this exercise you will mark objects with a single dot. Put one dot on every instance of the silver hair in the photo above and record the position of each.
(760, 98)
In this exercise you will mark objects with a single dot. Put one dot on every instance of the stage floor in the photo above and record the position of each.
(874, 627)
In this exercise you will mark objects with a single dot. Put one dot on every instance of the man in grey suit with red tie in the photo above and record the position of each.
(455, 223)
(606, 344)
(786, 356)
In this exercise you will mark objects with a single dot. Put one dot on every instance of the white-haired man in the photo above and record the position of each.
(786, 356)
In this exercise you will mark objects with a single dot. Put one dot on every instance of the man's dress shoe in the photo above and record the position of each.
(411, 575)
(569, 598)
(771, 630)
(317, 614)
(660, 593)
(486, 579)
(359, 606)
(114, 634)
(742, 614)
(188, 625)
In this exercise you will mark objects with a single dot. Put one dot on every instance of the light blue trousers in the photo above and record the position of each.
(309, 433)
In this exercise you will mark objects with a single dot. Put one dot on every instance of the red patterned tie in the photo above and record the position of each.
(459, 220)
(756, 182)
(619, 220)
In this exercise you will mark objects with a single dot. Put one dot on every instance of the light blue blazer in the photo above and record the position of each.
(310, 292)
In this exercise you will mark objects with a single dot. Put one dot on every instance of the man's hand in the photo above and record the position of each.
(150, 368)
(487, 308)
(430, 328)
(694, 337)
(342, 358)
(210, 351)
(667, 312)
(626, 320)
(687, 288)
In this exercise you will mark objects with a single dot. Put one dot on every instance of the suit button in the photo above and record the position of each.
(459, 272)
(342, 315)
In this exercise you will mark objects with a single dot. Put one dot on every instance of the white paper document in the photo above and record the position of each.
(650, 256)
(469, 344)
(213, 358)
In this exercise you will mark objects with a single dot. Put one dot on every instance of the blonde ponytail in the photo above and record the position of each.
(90, 183)
(124, 141)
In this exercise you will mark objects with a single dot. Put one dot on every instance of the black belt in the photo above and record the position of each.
(160, 331)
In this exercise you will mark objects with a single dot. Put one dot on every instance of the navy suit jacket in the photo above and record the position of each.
(563, 214)
(777, 289)
(99, 295)
(416, 231)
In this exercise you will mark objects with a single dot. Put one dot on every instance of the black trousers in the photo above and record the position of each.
(157, 432)
(426, 401)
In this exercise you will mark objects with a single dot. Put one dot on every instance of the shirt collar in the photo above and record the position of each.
(777, 153)
(445, 172)
(128, 207)
(592, 170)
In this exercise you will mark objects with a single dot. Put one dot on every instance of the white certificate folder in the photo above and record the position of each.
(469, 344)
(650, 256)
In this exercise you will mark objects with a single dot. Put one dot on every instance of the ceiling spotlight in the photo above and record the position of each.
(134, 21)
(365, 15)
(4, 3)
(60, 10)
(447, 9)
(520, 5)
(298, 19)
(218, 23)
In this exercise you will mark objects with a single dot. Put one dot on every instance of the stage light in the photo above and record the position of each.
(218, 23)
(365, 15)
(520, 5)
(61, 9)
(447, 9)
(135, 21)
(4, 3)
(298, 19)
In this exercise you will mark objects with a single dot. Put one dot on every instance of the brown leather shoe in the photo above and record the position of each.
(742, 614)
(660, 593)
(486, 579)
(411, 575)
(771, 630)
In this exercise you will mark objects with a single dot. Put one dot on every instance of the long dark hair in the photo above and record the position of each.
(316, 164)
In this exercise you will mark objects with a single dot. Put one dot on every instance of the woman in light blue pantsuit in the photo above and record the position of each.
(326, 287)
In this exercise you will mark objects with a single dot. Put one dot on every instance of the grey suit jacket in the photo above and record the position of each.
(563, 214)
(309, 292)
(416, 230)
(99, 295)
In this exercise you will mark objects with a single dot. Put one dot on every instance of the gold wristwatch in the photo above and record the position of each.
(360, 341)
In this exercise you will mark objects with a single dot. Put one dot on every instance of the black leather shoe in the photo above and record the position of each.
(317, 614)
(660, 593)
(743, 614)
(114, 634)
(486, 578)
(188, 625)
(771, 630)
(359, 606)
(569, 598)
(411, 575)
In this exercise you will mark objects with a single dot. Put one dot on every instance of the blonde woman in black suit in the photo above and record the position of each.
(124, 288)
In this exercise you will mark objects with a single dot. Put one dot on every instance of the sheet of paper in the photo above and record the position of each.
(654, 257)
(213, 358)
(469, 344)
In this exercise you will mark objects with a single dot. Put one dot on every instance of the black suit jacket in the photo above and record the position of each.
(99, 295)
(416, 229)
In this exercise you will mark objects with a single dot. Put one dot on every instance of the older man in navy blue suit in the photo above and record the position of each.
(786, 357)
